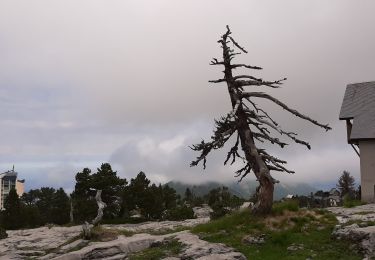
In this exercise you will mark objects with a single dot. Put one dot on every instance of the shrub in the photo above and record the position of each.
(280, 207)
(3, 233)
(179, 213)
(219, 211)
(348, 202)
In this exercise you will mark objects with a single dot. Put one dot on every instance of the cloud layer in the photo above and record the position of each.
(126, 82)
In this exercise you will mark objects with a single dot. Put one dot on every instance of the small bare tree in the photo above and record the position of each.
(250, 123)
(86, 227)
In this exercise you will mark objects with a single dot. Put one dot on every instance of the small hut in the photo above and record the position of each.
(358, 109)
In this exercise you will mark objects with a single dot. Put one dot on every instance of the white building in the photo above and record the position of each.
(358, 109)
(8, 181)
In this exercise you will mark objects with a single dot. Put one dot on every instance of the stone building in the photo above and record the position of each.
(8, 181)
(358, 110)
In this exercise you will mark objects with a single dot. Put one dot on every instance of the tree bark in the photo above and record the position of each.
(261, 171)
(101, 206)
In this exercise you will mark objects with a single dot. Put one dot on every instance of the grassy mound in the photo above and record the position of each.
(169, 248)
(288, 233)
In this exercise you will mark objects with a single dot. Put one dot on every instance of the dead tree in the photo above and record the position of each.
(86, 227)
(101, 206)
(71, 215)
(249, 122)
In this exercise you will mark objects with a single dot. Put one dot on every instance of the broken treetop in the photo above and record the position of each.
(359, 105)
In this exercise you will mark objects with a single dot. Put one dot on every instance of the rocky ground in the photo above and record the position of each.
(65, 243)
(358, 225)
(155, 227)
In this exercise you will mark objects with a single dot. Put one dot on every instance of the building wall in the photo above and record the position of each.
(367, 150)
(8, 180)
(20, 188)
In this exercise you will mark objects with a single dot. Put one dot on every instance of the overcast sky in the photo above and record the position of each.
(126, 82)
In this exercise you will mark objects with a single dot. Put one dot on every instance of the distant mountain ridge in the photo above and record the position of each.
(243, 189)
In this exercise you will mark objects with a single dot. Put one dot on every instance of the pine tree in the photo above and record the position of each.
(13, 214)
(84, 205)
(83, 196)
(137, 193)
(60, 208)
(249, 122)
(189, 196)
(169, 197)
(153, 202)
(346, 184)
(112, 186)
(44, 204)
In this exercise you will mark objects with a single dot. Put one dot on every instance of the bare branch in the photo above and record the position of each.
(237, 45)
(243, 83)
(234, 66)
(246, 77)
(273, 168)
(291, 135)
(275, 161)
(217, 80)
(261, 110)
(235, 108)
(216, 62)
(260, 136)
(257, 82)
(243, 171)
(233, 152)
(281, 104)
(225, 127)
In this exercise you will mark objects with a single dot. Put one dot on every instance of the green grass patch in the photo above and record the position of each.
(167, 248)
(282, 229)
(360, 223)
(166, 231)
(288, 205)
(101, 234)
(230, 222)
(350, 203)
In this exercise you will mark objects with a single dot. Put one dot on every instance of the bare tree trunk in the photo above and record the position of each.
(264, 203)
(261, 171)
(101, 206)
(86, 227)
(71, 211)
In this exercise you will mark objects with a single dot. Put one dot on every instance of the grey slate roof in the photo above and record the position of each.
(359, 105)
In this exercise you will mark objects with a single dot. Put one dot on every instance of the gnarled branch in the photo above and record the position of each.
(224, 130)
(281, 104)
(235, 66)
(237, 45)
(256, 82)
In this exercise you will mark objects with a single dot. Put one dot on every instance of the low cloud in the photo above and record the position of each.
(127, 82)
